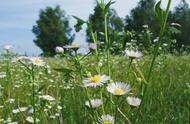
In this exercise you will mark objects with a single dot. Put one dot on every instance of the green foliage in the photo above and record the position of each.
(181, 15)
(115, 26)
(52, 30)
(143, 14)
(167, 99)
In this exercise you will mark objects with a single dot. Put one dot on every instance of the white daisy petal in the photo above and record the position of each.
(97, 80)
(107, 119)
(133, 54)
(37, 61)
(133, 101)
(118, 88)
(94, 102)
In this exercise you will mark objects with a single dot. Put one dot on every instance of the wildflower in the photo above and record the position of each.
(59, 49)
(175, 24)
(118, 88)
(145, 26)
(47, 97)
(3, 74)
(57, 114)
(22, 109)
(133, 101)
(165, 44)
(59, 107)
(94, 102)
(107, 119)
(8, 47)
(133, 54)
(31, 120)
(11, 101)
(37, 61)
(97, 80)
(21, 58)
(92, 46)
(73, 46)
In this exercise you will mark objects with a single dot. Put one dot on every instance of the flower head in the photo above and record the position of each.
(133, 54)
(97, 80)
(37, 61)
(31, 120)
(3, 74)
(133, 101)
(8, 47)
(47, 97)
(94, 102)
(118, 88)
(18, 110)
(73, 46)
(107, 119)
(59, 49)
(92, 46)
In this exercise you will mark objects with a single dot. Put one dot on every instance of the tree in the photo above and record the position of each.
(143, 14)
(115, 24)
(52, 30)
(181, 15)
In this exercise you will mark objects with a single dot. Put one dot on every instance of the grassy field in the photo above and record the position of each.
(166, 100)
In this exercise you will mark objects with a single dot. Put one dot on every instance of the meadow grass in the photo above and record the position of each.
(166, 100)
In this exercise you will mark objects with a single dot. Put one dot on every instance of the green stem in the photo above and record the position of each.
(159, 42)
(33, 94)
(107, 43)
(131, 60)
(161, 35)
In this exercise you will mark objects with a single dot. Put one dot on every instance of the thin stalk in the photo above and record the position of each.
(101, 95)
(97, 54)
(33, 94)
(159, 42)
(129, 67)
(127, 119)
(107, 43)
(163, 28)
(162, 31)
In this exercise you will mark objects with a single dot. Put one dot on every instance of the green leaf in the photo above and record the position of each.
(174, 30)
(159, 12)
(79, 24)
(107, 7)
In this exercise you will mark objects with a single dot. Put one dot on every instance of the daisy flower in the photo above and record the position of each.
(18, 110)
(31, 120)
(37, 61)
(3, 74)
(92, 46)
(133, 54)
(133, 101)
(47, 97)
(94, 102)
(118, 89)
(59, 49)
(97, 80)
(107, 119)
(73, 46)
(8, 47)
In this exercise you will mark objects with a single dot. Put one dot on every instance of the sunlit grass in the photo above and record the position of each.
(167, 97)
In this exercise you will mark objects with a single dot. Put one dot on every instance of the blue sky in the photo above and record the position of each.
(18, 17)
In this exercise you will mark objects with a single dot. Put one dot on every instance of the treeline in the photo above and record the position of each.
(139, 30)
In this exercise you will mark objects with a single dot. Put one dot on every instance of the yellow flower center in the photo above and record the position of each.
(119, 91)
(37, 61)
(95, 79)
(75, 46)
(107, 122)
(133, 54)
